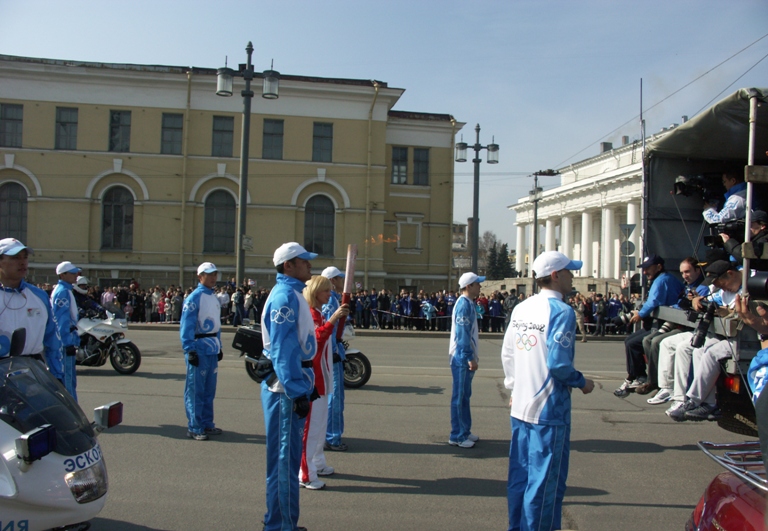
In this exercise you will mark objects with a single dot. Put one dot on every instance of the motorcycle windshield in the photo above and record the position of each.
(31, 397)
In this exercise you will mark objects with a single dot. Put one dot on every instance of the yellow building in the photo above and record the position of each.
(132, 171)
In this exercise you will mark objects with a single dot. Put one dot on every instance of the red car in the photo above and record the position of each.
(736, 499)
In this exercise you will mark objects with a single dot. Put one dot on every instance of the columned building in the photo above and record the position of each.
(132, 171)
(582, 217)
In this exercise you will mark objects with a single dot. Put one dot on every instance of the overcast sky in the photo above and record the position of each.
(549, 80)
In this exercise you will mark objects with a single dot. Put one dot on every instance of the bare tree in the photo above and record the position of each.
(487, 241)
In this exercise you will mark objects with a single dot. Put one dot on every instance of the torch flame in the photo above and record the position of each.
(380, 239)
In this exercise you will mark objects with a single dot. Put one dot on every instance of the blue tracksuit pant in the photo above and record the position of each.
(284, 432)
(538, 468)
(70, 374)
(199, 392)
(461, 418)
(336, 406)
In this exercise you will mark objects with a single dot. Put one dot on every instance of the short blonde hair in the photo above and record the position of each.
(315, 284)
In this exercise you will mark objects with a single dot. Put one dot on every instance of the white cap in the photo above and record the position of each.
(332, 272)
(469, 278)
(11, 246)
(551, 261)
(67, 267)
(291, 250)
(206, 267)
(82, 281)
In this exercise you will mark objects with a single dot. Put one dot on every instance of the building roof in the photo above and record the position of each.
(168, 69)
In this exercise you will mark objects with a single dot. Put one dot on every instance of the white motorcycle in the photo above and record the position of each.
(52, 471)
(102, 339)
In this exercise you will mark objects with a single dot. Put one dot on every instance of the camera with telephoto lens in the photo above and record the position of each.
(734, 229)
(700, 334)
(622, 319)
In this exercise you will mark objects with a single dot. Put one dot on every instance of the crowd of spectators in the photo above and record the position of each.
(369, 309)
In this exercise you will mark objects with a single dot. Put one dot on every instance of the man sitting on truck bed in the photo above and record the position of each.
(701, 403)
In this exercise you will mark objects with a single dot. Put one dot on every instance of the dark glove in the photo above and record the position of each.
(193, 359)
(70, 350)
(315, 395)
(302, 406)
(220, 356)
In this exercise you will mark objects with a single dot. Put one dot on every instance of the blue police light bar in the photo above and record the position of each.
(108, 415)
(36, 444)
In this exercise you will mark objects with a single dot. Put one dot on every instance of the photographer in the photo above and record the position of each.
(664, 290)
(662, 349)
(701, 403)
(735, 200)
(759, 239)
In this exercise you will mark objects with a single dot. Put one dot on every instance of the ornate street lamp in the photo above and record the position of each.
(492, 158)
(224, 83)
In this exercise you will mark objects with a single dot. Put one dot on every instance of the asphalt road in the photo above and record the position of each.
(631, 466)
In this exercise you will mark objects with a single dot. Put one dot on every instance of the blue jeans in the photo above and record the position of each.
(461, 418)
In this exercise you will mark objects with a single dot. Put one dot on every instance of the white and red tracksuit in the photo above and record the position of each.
(313, 456)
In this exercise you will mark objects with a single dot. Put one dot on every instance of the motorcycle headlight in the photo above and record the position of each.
(88, 484)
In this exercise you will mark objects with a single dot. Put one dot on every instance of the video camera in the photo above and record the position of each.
(734, 229)
(708, 186)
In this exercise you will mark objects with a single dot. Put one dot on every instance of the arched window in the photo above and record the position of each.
(117, 219)
(220, 215)
(13, 211)
(319, 219)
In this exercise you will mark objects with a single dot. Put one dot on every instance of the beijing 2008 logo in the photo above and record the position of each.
(525, 341)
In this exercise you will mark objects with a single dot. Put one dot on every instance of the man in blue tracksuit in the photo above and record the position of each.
(462, 351)
(664, 290)
(537, 356)
(288, 333)
(65, 314)
(200, 331)
(735, 200)
(26, 306)
(336, 398)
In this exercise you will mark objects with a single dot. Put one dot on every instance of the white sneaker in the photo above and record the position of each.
(637, 382)
(325, 471)
(676, 404)
(662, 397)
(313, 485)
(472, 437)
(466, 444)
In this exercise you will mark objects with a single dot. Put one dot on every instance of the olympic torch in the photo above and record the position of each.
(349, 284)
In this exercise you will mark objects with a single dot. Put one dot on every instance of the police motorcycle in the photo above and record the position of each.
(102, 337)
(357, 368)
(52, 471)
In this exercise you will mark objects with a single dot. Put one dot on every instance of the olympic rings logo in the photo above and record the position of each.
(564, 339)
(525, 341)
(62, 303)
(463, 320)
(282, 315)
(190, 307)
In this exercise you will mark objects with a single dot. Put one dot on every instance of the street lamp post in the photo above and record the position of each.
(492, 158)
(535, 196)
(270, 89)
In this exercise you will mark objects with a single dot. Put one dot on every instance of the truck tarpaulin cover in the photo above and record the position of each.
(713, 141)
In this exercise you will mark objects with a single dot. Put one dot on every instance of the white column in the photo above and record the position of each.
(549, 236)
(606, 244)
(520, 250)
(586, 244)
(633, 218)
(566, 235)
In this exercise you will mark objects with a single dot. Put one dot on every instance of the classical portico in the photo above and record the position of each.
(582, 216)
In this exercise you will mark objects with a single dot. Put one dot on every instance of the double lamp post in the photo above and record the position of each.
(224, 87)
(492, 158)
